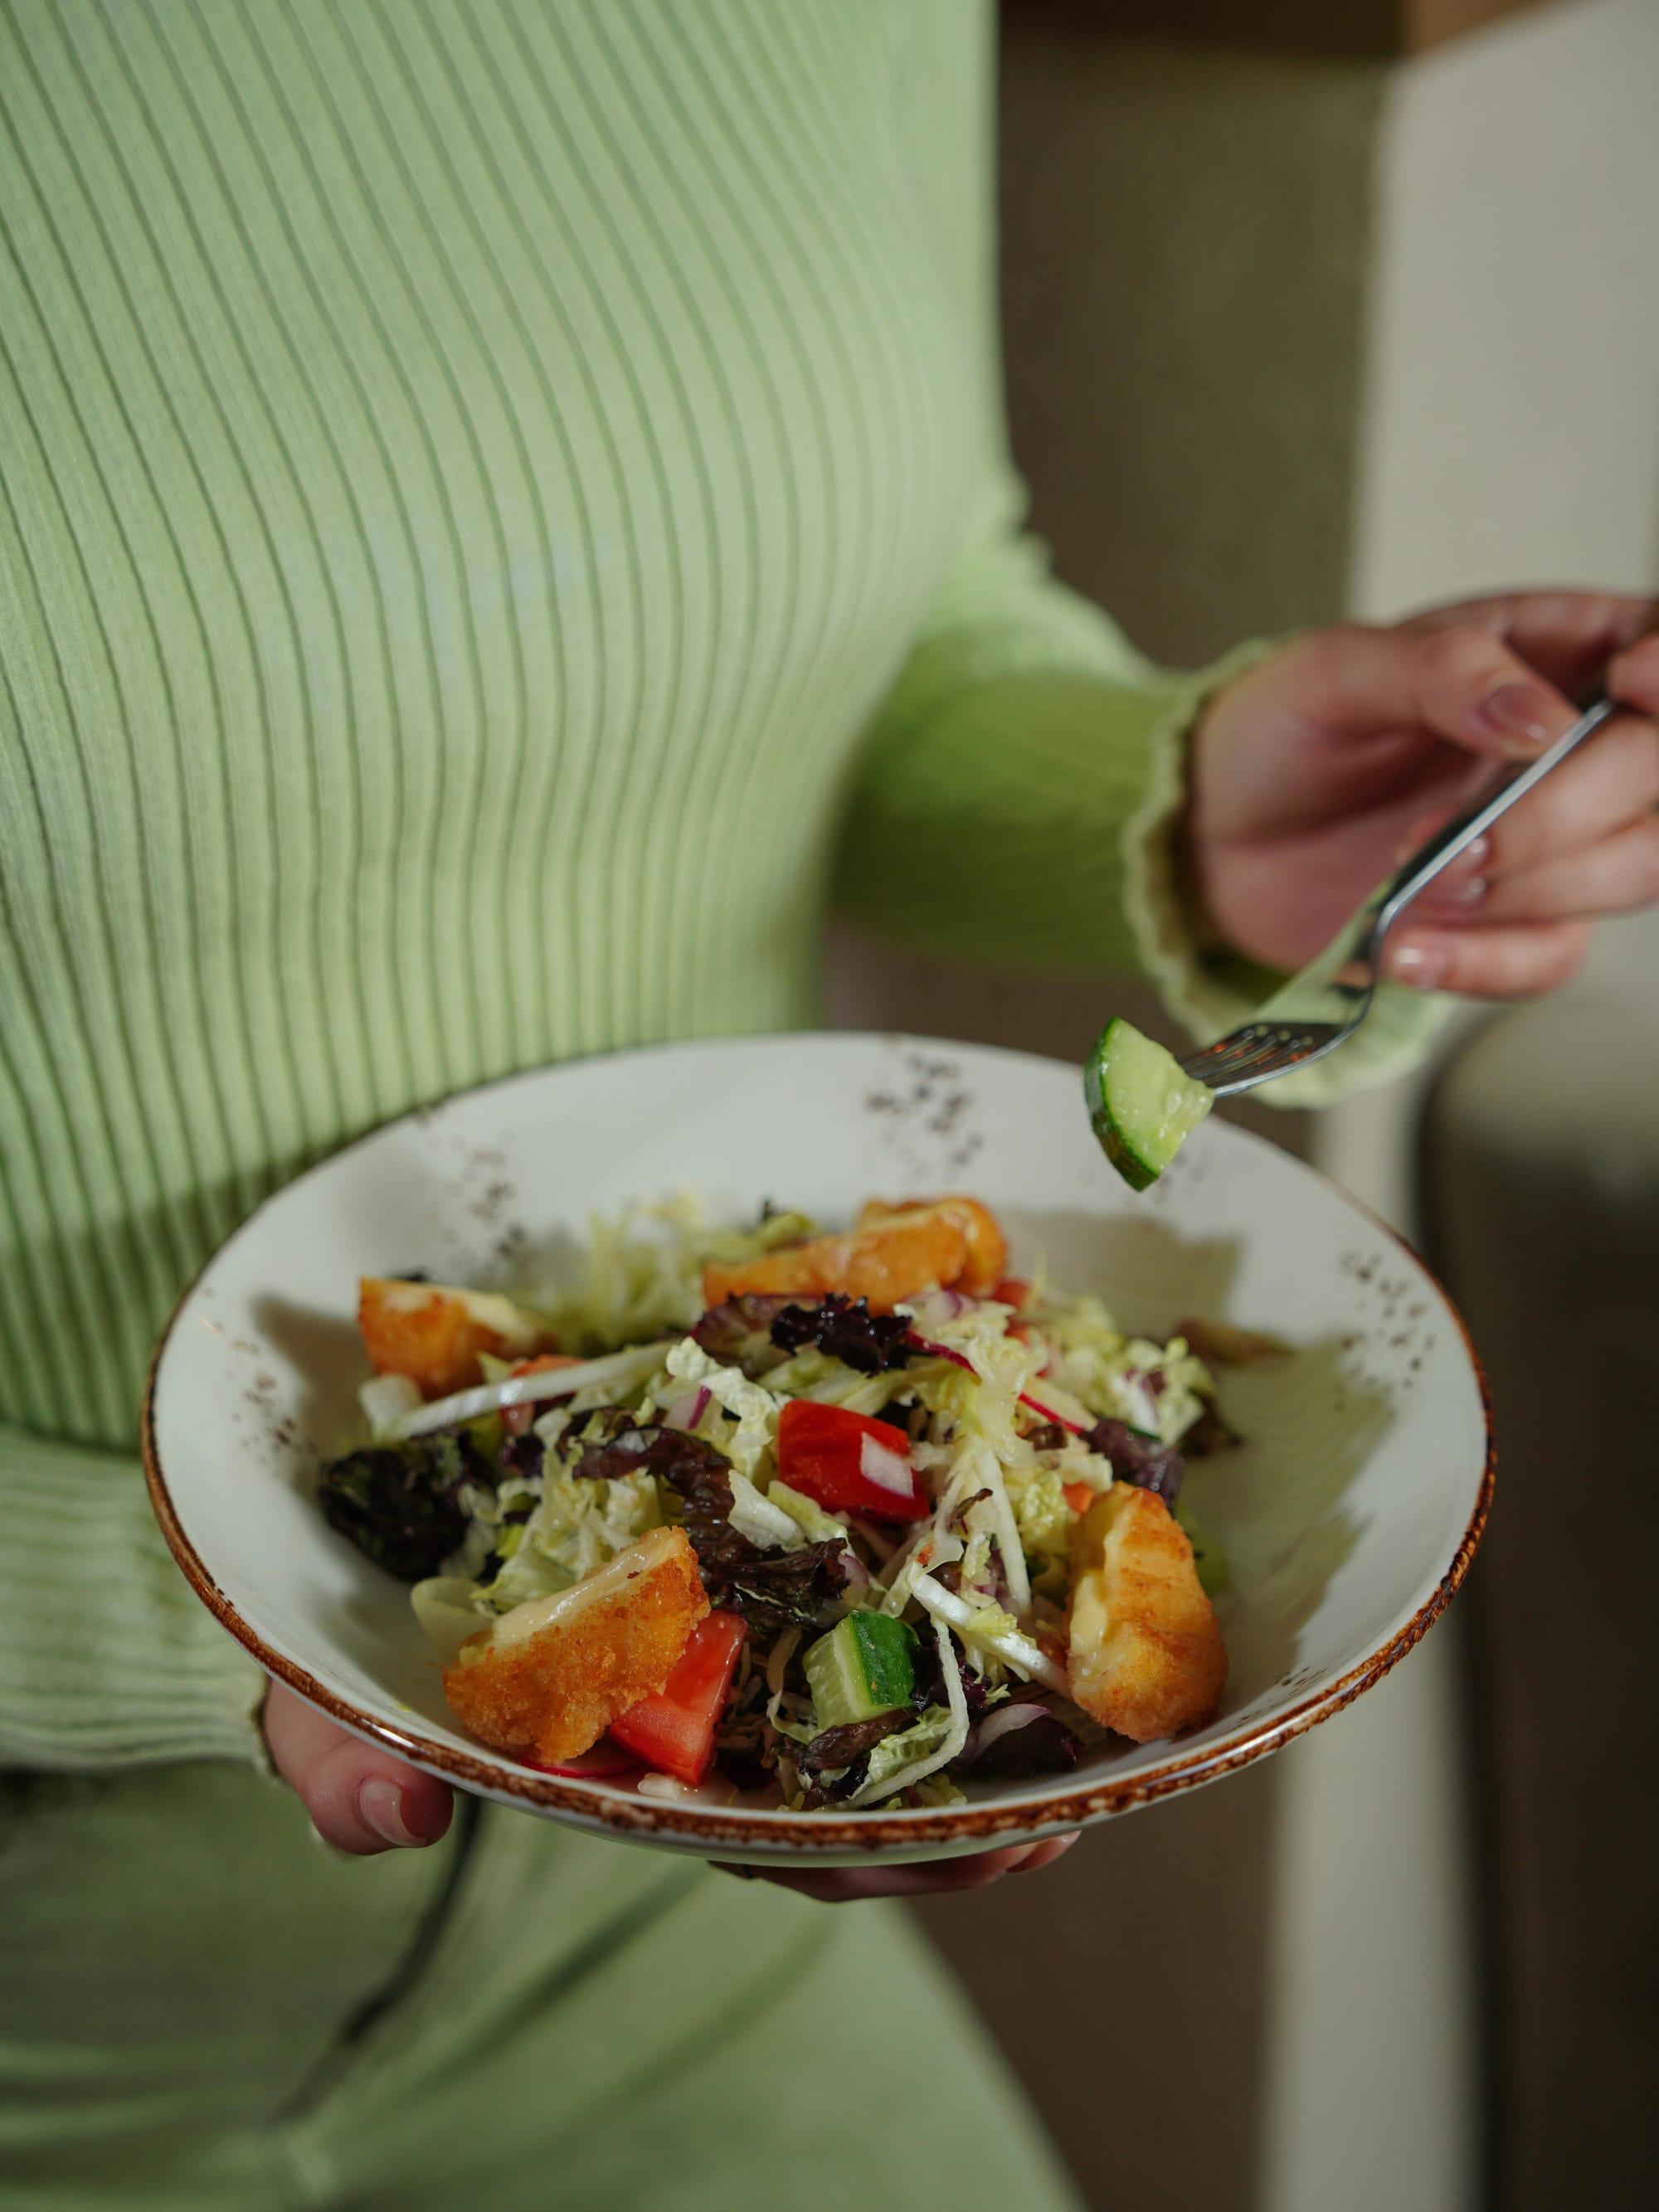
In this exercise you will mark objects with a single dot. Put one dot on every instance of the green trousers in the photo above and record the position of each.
(203, 2007)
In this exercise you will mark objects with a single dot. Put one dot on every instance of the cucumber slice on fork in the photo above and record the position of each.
(1143, 1105)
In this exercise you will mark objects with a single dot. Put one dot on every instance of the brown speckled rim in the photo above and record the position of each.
(710, 1831)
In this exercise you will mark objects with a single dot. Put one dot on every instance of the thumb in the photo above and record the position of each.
(360, 1799)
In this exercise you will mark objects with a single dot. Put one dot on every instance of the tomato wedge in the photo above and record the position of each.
(674, 1731)
(848, 1462)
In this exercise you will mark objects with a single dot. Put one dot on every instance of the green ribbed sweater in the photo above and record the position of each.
(497, 503)
(503, 505)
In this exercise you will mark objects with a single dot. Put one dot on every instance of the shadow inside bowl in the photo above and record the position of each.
(1310, 1422)
(327, 1353)
(1143, 1273)
(1279, 1501)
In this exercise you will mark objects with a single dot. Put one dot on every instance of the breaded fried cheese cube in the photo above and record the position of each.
(987, 1253)
(894, 1252)
(1147, 1656)
(546, 1679)
(434, 1332)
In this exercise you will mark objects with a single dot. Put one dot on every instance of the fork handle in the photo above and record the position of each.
(1493, 801)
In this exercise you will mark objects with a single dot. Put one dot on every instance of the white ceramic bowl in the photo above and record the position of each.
(1350, 1515)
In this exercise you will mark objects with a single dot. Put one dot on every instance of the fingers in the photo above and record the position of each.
(1634, 675)
(1616, 876)
(1464, 683)
(1520, 962)
(1569, 637)
(1514, 920)
(1457, 681)
(1613, 781)
(1585, 843)
(360, 1799)
(931, 1878)
(1496, 678)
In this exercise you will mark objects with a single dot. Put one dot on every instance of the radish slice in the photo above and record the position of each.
(943, 1352)
(599, 1765)
(1053, 1413)
(936, 1350)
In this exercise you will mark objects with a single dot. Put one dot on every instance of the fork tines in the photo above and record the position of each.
(1252, 1050)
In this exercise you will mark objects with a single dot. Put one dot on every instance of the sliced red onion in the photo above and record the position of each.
(855, 1575)
(688, 1409)
(1003, 1718)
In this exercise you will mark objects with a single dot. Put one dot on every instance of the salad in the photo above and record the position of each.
(841, 1519)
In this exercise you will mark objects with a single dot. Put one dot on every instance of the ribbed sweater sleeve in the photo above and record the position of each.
(107, 1658)
(1020, 792)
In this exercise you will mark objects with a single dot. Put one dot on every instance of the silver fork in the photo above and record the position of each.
(1322, 1007)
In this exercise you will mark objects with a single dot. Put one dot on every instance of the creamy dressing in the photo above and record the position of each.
(537, 1613)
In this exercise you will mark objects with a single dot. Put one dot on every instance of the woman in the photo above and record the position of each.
(503, 503)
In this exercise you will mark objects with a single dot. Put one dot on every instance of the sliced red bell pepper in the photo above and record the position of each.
(848, 1462)
(674, 1731)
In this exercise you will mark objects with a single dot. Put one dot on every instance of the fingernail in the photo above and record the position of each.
(381, 1807)
(1473, 857)
(1421, 962)
(1518, 713)
(1469, 861)
(1448, 895)
(1030, 1864)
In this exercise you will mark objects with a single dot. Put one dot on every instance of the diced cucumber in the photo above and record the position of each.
(862, 1667)
(1142, 1106)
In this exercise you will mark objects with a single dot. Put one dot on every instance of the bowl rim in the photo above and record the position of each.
(763, 1835)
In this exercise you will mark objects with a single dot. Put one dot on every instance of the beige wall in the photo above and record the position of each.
(1185, 271)
(1511, 436)
(1289, 338)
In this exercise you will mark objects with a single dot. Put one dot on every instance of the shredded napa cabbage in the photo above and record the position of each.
(1000, 1425)
(816, 1525)
(578, 1526)
(901, 1761)
(761, 1519)
(640, 1273)
(1158, 1389)
(756, 1410)
(1045, 1523)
